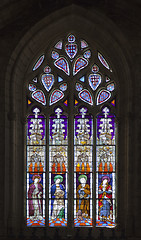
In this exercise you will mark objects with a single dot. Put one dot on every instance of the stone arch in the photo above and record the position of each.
(97, 29)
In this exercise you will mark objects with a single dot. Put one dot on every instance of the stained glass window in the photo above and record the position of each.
(103, 61)
(36, 160)
(71, 47)
(71, 89)
(48, 81)
(63, 87)
(86, 96)
(39, 62)
(58, 169)
(83, 149)
(79, 64)
(94, 81)
(56, 96)
(105, 169)
(62, 64)
(39, 96)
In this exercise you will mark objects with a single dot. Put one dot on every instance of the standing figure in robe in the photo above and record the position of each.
(58, 194)
(83, 198)
(35, 199)
(105, 199)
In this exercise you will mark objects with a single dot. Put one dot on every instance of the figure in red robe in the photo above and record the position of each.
(35, 199)
(105, 199)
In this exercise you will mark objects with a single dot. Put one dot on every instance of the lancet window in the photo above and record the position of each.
(71, 121)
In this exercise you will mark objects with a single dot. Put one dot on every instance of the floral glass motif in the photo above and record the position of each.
(39, 62)
(79, 64)
(110, 87)
(95, 68)
(94, 80)
(103, 61)
(86, 96)
(62, 64)
(83, 169)
(47, 69)
(78, 87)
(58, 169)
(32, 87)
(84, 44)
(63, 87)
(36, 159)
(39, 96)
(48, 81)
(71, 38)
(54, 55)
(103, 96)
(59, 45)
(56, 96)
(87, 54)
(105, 169)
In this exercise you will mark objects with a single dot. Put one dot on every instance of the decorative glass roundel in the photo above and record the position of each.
(39, 62)
(47, 69)
(103, 96)
(110, 87)
(71, 50)
(62, 64)
(79, 64)
(39, 96)
(32, 87)
(79, 87)
(103, 61)
(85, 96)
(59, 45)
(48, 81)
(84, 44)
(63, 87)
(94, 81)
(71, 38)
(95, 68)
(56, 96)
(87, 54)
(55, 55)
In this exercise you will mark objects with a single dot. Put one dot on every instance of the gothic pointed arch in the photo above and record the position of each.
(48, 89)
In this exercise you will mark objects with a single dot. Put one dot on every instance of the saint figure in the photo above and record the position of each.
(83, 198)
(58, 194)
(105, 199)
(35, 196)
